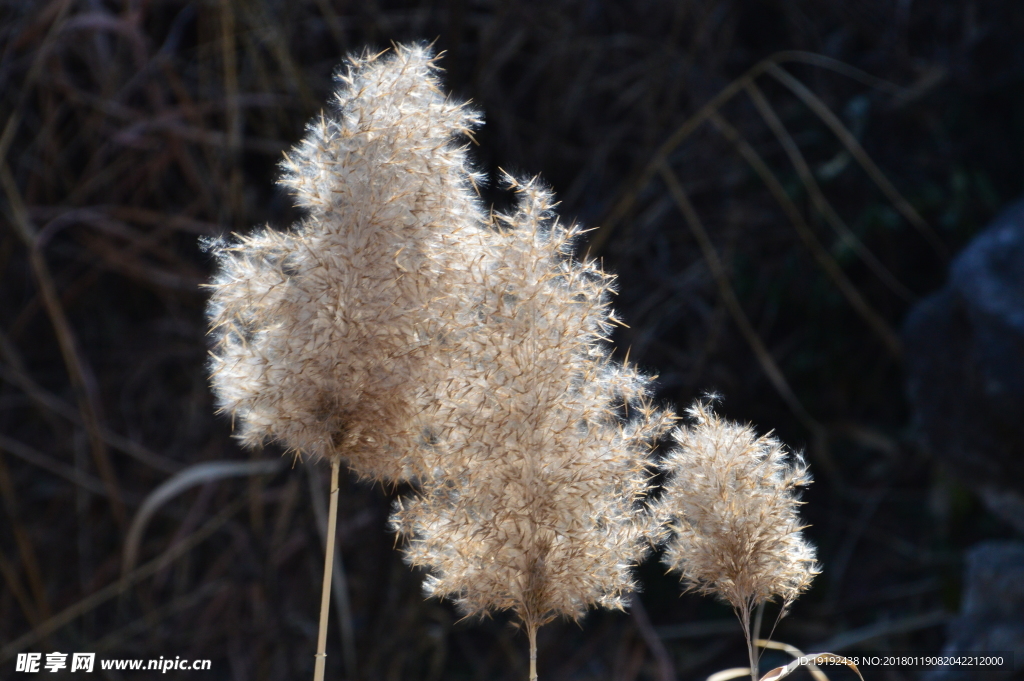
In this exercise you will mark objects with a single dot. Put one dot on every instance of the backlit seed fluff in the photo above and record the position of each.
(404, 328)
(542, 513)
(730, 508)
(326, 336)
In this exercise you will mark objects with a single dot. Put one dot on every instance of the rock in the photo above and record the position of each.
(991, 617)
(965, 367)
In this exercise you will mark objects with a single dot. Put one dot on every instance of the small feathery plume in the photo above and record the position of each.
(541, 510)
(326, 336)
(730, 508)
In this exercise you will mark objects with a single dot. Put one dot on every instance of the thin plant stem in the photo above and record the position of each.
(339, 583)
(325, 594)
(756, 635)
(531, 632)
(744, 616)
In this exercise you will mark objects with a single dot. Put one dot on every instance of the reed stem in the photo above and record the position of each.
(531, 632)
(744, 615)
(325, 595)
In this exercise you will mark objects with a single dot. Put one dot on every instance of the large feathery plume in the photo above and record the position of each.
(541, 508)
(730, 508)
(326, 337)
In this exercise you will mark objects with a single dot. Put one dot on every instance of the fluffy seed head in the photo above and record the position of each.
(326, 336)
(730, 507)
(540, 512)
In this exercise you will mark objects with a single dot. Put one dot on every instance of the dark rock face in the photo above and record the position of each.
(965, 366)
(991, 618)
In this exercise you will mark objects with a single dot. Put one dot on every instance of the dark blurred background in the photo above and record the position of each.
(778, 185)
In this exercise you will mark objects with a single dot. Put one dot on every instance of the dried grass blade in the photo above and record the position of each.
(782, 672)
(821, 203)
(732, 303)
(881, 328)
(660, 157)
(836, 66)
(806, 661)
(629, 196)
(857, 151)
(199, 474)
(802, 659)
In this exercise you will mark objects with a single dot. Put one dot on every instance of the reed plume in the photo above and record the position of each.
(329, 339)
(540, 510)
(326, 337)
(730, 509)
